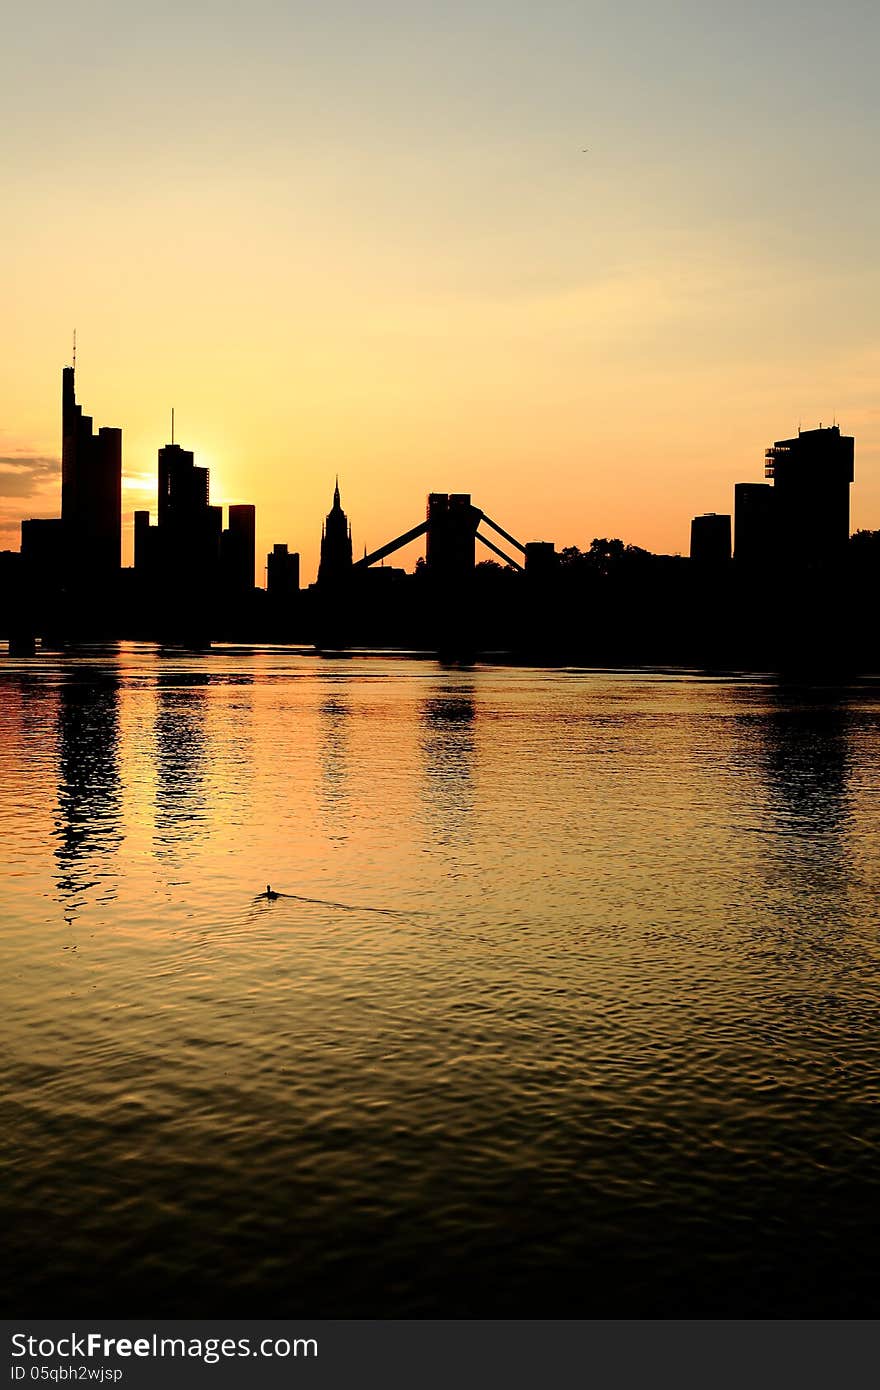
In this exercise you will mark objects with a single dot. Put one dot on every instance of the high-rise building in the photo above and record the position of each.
(811, 476)
(183, 488)
(238, 548)
(144, 543)
(282, 573)
(193, 575)
(753, 525)
(91, 494)
(177, 560)
(335, 565)
(710, 540)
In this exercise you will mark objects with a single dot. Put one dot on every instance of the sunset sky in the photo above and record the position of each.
(362, 237)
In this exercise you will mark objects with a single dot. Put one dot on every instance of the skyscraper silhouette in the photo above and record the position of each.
(754, 523)
(238, 548)
(710, 540)
(282, 574)
(183, 488)
(91, 497)
(811, 476)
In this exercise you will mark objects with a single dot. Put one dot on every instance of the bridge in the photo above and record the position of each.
(452, 528)
(444, 611)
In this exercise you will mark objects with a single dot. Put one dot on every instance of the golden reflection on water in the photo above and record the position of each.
(566, 963)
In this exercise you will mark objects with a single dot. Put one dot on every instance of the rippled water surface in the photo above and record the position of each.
(570, 1004)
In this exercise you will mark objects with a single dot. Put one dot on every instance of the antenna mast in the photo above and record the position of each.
(172, 424)
(74, 349)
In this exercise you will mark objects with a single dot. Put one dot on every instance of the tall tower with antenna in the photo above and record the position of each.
(91, 493)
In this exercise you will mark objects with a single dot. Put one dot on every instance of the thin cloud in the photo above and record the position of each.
(24, 475)
(139, 482)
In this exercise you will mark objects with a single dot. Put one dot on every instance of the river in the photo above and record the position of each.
(568, 1004)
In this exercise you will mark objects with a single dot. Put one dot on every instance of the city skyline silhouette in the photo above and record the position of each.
(24, 475)
(192, 581)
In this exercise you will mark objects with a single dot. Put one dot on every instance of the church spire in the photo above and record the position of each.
(335, 543)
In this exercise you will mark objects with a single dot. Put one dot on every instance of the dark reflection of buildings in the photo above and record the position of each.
(807, 760)
(333, 758)
(87, 828)
(180, 741)
(801, 749)
(448, 746)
